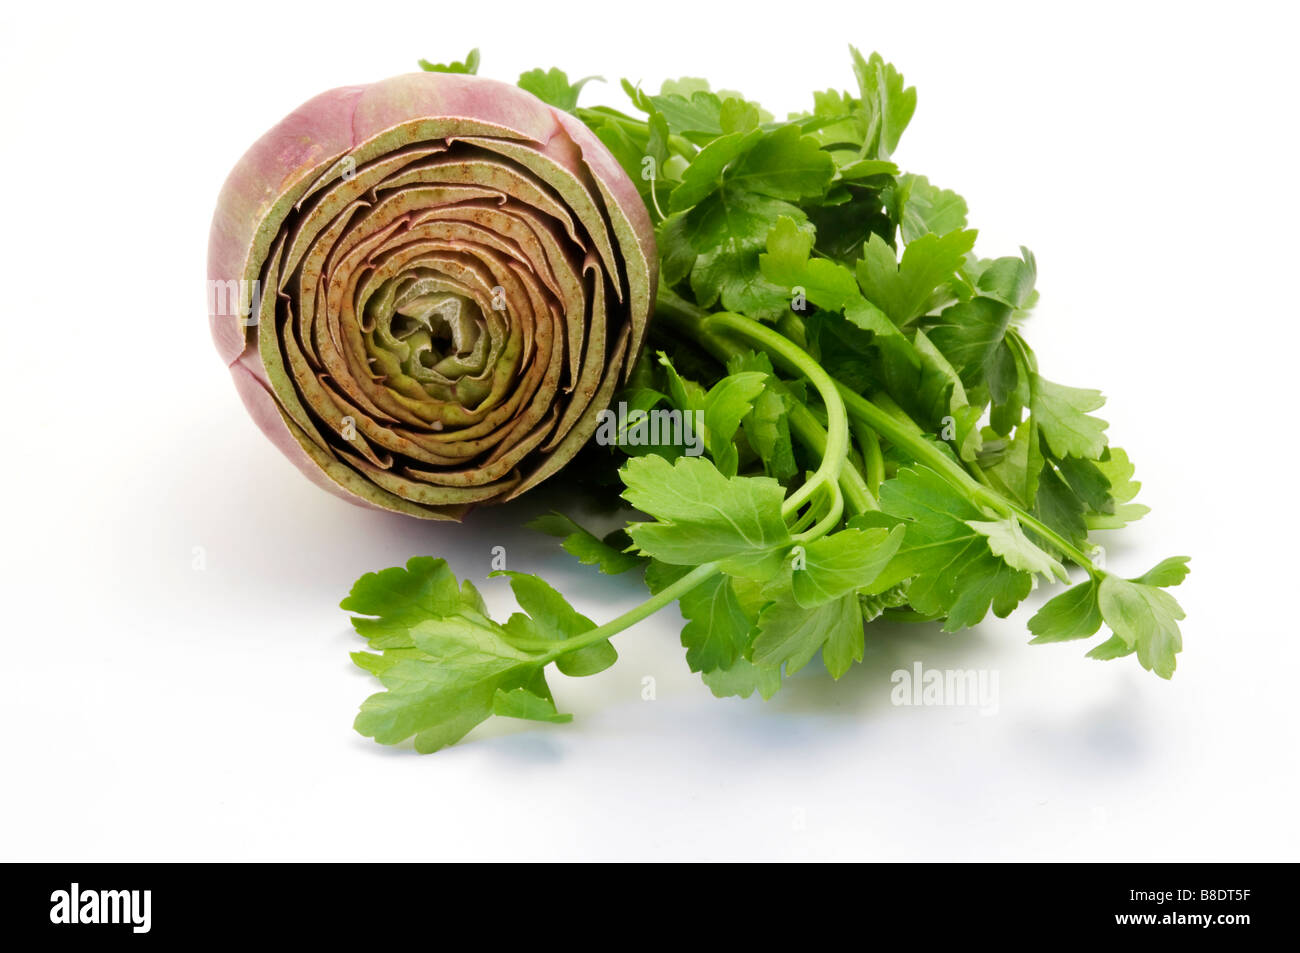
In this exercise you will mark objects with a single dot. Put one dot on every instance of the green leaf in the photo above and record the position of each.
(1007, 540)
(787, 264)
(689, 108)
(676, 254)
(841, 563)
(1009, 280)
(902, 288)
(725, 405)
(742, 679)
(767, 425)
(1146, 618)
(550, 612)
(971, 335)
(446, 688)
(791, 635)
(1112, 648)
(1074, 614)
(521, 703)
(399, 598)
(782, 164)
(553, 87)
(553, 618)
(704, 175)
(1167, 572)
(1063, 419)
(1087, 481)
(588, 660)
(887, 104)
(1118, 472)
(1058, 507)
(717, 630)
(953, 571)
(927, 208)
(470, 65)
(939, 394)
(728, 230)
(704, 516)
(579, 542)
(1016, 472)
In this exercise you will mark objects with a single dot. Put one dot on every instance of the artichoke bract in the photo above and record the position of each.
(428, 288)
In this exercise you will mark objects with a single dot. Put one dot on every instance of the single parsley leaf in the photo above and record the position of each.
(791, 635)
(522, 703)
(902, 288)
(1058, 507)
(1063, 419)
(923, 208)
(1146, 618)
(1017, 469)
(787, 263)
(704, 175)
(1118, 471)
(399, 598)
(470, 65)
(742, 679)
(585, 545)
(553, 87)
(887, 104)
(551, 617)
(1074, 614)
(1167, 572)
(841, 563)
(724, 406)
(1088, 483)
(717, 630)
(441, 692)
(783, 164)
(1008, 540)
(972, 336)
(704, 516)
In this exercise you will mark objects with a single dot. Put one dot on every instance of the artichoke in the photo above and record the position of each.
(428, 288)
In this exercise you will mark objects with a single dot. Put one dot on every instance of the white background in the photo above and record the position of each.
(1146, 153)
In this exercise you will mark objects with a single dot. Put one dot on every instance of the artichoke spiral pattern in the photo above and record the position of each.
(428, 288)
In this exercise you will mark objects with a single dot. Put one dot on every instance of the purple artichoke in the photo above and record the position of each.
(428, 288)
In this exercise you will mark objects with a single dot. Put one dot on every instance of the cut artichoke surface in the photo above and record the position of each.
(428, 288)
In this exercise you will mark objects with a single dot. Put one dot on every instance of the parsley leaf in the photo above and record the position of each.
(1146, 619)
(1063, 419)
(703, 516)
(585, 546)
(790, 635)
(953, 571)
(470, 65)
(553, 87)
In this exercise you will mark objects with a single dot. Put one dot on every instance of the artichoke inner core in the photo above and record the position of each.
(430, 339)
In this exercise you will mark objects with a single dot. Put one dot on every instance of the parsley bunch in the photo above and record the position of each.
(878, 440)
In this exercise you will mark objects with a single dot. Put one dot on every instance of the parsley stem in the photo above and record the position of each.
(858, 497)
(827, 522)
(634, 615)
(687, 318)
(837, 420)
(922, 451)
(872, 459)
